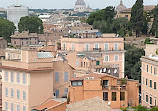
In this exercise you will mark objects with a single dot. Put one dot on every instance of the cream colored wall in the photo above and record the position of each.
(41, 88)
(61, 67)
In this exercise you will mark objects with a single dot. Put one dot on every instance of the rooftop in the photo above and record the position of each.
(24, 34)
(94, 104)
(51, 103)
(80, 2)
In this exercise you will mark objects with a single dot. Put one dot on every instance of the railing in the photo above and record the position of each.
(101, 49)
(105, 87)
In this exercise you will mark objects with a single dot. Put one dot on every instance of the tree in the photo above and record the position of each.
(140, 108)
(6, 29)
(137, 17)
(31, 24)
(106, 15)
(154, 14)
(132, 62)
(154, 109)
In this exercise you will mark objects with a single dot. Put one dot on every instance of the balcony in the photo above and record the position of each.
(123, 87)
(101, 49)
(105, 87)
(114, 88)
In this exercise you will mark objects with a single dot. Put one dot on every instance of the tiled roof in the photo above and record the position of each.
(44, 55)
(94, 104)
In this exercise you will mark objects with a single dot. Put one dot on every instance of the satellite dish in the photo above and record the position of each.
(109, 71)
(115, 71)
(109, 103)
(104, 70)
(100, 70)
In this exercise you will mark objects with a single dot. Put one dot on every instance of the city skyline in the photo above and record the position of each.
(69, 4)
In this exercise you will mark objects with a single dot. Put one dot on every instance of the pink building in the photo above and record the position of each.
(107, 50)
(27, 82)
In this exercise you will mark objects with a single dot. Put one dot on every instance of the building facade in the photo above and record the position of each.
(111, 89)
(108, 51)
(24, 78)
(15, 12)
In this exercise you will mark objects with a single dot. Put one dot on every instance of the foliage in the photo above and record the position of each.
(124, 109)
(123, 81)
(147, 41)
(146, 19)
(137, 17)
(154, 14)
(106, 15)
(154, 109)
(6, 29)
(31, 24)
(132, 62)
(140, 108)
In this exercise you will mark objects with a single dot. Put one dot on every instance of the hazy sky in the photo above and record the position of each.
(59, 4)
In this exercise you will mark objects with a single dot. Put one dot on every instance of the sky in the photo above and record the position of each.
(67, 4)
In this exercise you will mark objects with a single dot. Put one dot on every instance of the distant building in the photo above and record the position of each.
(149, 72)
(15, 12)
(24, 39)
(105, 50)
(116, 92)
(3, 45)
(80, 6)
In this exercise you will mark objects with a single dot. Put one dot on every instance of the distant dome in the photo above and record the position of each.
(120, 7)
(80, 2)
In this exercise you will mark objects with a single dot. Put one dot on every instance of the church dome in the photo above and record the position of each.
(120, 7)
(80, 2)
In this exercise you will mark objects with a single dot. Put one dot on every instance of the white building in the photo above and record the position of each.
(15, 12)
(80, 6)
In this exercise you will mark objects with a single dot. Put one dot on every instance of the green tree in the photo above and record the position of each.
(132, 62)
(154, 14)
(140, 108)
(6, 29)
(31, 24)
(106, 15)
(154, 109)
(137, 17)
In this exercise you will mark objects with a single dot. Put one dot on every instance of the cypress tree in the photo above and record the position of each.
(137, 17)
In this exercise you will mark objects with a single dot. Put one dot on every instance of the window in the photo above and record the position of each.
(147, 69)
(56, 76)
(146, 81)
(18, 108)
(150, 100)
(155, 101)
(12, 107)
(74, 75)
(106, 82)
(64, 46)
(24, 95)
(66, 91)
(122, 96)
(96, 45)
(12, 93)
(113, 96)
(155, 71)
(6, 106)
(77, 83)
(146, 97)
(143, 96)
(66, 76)
(106, 47)
(116, 57)
(57, 93)
(106, 58)
(115, 46)
(24, 78)
(143, 67)
(143, 80)
(151, 69)
(24, 108)
(97, 63)
(151, 83)
(12, 77)
(6, 76)
(18, 78)
(18, 94)
(105, 96)
(155, 85)
(86, 47)
(72, 47)
(6, 92)
(77, 62)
